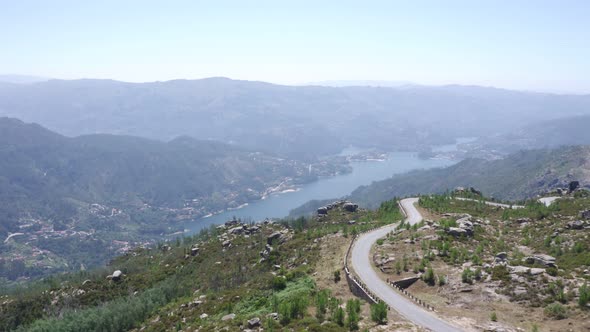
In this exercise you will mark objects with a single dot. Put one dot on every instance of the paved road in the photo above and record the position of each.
(492, 203)
(362, 265)
(548, 200)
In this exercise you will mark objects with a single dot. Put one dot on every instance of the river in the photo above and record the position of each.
(363, 173)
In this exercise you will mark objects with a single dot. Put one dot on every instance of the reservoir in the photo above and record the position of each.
(363, 173)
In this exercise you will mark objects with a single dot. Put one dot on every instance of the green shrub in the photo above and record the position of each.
(584, 296)
(500, 272)
(429, 277)
(556, 311)
(379, 313)
(279, 283)
(467, 276)
(493, 316)
(336, 276)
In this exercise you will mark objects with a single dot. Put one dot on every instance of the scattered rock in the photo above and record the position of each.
(117, 275)
(254, 322)
(585, 214)
(501, 256)
(228, 317)
(456, 231)
(203, 316)
(273, 315)
(194, 251)
(576, 224)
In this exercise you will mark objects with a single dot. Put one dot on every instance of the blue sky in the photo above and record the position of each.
(532, 45)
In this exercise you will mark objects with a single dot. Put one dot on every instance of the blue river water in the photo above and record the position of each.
(363, 173)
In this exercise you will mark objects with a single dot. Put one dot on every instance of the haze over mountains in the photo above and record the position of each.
(296, 121)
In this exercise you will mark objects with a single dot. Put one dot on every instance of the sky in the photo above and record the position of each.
(528, 45)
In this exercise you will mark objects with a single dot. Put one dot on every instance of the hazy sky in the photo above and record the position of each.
(536, 45)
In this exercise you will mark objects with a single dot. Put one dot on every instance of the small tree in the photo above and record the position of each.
(584, 296)
(336, 276)
(429, 277)
(338, 316)
(379, 313)
(493, 316)
(353, 309)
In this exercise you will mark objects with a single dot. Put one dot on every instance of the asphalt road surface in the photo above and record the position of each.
(362, 265)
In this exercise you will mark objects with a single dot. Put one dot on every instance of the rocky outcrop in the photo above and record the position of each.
(541, 259)
(343, 205)
(576, 224)
(350, 207)
(464, 227)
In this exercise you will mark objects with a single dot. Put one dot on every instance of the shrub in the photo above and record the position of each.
(500, 272)
(279, 283)
(353, 309)
(442, 280)
(336, 276)
(584, 296)
(379, 313)
(493, 316)
(429, 277)
(556, 311)
(338, 316)
(467, 276)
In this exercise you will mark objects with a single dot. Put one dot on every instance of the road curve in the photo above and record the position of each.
(361, 263)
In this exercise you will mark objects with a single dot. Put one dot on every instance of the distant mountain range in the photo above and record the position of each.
(545, 134)
(22, 79)
(296, 121)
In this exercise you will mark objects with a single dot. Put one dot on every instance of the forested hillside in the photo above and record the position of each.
(64, 197)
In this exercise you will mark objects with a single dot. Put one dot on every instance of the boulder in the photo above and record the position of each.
(231, 223)
(350, 207)
(352, 222)
(322, 210)
(456, 231)
(273, 315)
(194, 251)
(228, 317)
(117, 275)
(203, 316)
(501, 256)
(576, 224)
(573, 186)
(237, 230)
(541, 259)
(254, 322)
(226, 244)
(273, 237)
(585, 214)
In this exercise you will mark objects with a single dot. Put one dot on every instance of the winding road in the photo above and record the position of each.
(361, 263)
